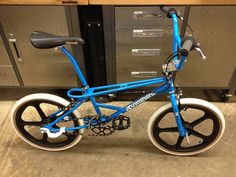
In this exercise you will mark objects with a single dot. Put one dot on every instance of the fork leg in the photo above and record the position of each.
(174, 102)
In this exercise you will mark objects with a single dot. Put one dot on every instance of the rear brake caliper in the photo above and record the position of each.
(179, 94)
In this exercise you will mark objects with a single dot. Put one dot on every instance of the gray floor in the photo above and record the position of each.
(127, 153)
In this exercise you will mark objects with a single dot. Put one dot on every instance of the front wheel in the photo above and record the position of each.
(204, 122)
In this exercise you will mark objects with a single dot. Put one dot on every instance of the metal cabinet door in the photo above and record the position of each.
(38, 67)
(214, 27)
(7, 73)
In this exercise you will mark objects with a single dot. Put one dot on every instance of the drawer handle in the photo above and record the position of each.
(14, 42)
(147, 33)
(143, 74)
(146, 14)
(146, 52)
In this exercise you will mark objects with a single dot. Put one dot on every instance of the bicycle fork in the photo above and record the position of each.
(174, 102)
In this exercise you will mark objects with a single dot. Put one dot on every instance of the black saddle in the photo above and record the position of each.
(44, 40)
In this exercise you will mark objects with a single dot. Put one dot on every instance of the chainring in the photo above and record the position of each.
(101, 128)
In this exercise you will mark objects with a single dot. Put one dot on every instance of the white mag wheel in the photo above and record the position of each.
(204, 122)
(32, 111)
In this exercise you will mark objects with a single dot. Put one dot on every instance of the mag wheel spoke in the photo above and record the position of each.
(200, 120)
(45, 138)
(40, 111)
(199, 135)
(34, 123)
(169, 129)
(179, 141)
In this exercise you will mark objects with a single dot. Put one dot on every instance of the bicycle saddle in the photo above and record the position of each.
(42, 40)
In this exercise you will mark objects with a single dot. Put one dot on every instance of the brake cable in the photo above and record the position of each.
(169, 58)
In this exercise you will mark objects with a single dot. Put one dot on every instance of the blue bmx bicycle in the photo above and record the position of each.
(185, 126)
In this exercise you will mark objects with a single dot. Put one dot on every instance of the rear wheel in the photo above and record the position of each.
(32, 112)
(203, 121)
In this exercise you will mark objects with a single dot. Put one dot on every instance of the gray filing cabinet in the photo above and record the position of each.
(41, 68)
(143, 41)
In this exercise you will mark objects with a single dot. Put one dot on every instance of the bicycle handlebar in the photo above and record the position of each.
(183, 46)
(188, 44)
(168, 10)
(164, 9)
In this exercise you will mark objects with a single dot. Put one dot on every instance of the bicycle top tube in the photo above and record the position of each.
(79, 93)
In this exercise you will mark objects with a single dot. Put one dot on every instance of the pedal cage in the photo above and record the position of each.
(121, 123)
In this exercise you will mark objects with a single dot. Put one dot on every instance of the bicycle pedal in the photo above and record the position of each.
(121, 123)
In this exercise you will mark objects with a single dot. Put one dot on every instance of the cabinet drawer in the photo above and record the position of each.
(123, 53)
(146, 37)
(127, 16)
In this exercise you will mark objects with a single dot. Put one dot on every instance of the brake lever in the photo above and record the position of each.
(199, 50)
(179, 15)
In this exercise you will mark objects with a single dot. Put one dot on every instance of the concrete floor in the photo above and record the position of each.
(127, 153)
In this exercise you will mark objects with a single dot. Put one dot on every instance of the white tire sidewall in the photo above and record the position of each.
(185, 101)
(47, 97)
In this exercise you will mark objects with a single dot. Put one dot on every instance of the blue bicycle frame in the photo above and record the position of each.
(85, 93)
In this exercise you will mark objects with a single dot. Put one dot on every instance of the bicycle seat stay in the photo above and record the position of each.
(43, 40)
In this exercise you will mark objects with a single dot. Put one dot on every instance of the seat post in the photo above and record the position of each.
(75, 65)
